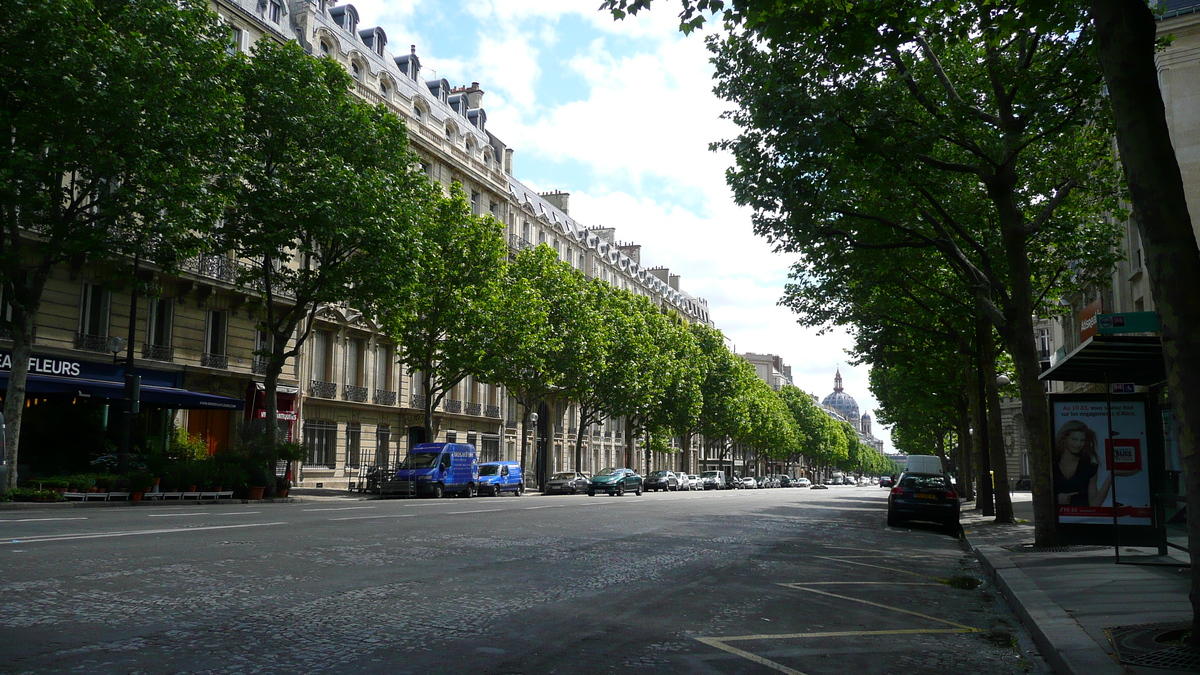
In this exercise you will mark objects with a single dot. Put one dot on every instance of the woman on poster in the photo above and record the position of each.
(1076, 465)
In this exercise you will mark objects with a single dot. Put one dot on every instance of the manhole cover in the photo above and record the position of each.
(1155, 645)
(1031, 548)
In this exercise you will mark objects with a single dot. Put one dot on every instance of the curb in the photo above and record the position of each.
(1064, 644)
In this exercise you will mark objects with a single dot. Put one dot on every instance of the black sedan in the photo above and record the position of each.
(662, 480)
(924, 496)
(567, 483)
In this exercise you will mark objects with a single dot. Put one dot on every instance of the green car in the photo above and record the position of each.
(615, 482)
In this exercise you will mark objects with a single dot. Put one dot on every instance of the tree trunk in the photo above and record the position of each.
(966, 466)
(1126, 34)
(23, 316)
(993, 430)
(978, 443)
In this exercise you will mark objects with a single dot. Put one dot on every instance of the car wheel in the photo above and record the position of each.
(470, 491)
(520, 490)
(438, 491)
(638, 491)
(892, 520)
(573, 490)
(591, 493)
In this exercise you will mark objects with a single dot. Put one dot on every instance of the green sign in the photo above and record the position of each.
(1127, 322)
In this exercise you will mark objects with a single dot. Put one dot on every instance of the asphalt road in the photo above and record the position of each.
(762, 581)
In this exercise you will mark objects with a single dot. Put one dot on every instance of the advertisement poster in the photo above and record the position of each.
(1088, 468)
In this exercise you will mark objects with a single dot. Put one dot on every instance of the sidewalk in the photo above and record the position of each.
(1070, 600)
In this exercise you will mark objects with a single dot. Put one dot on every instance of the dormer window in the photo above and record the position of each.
(418, 114)
(385, 89)
(449, 135)
(355, 70)
(471, 147)
(275, 10)
(325, 48)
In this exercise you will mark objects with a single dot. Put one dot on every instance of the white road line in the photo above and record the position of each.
(402, 515)
(172, 515)
(131, 533)
(459, 513)
(344, 508)
(238, 513)
(548, 506)
(38, 520)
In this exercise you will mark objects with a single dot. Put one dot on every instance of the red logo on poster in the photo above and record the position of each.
(1124, 454)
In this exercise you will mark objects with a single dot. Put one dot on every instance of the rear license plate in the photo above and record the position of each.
(920, 495)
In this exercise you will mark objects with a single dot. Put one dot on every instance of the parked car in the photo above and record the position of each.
(713, 480)
(802, 483)
(496, 478)
(926, 497)
(661, 481)
(733, 483)
(566, 482)
(695, 482)
(765, 481)
(685, 483)
(785, 481)
(749, 482)
(615, 482)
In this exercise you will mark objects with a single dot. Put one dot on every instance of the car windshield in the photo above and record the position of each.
(607, 471)
(489, 470)
(661, 474)
(924, 482)
(563, 476)
(421, 461)
(709, 474)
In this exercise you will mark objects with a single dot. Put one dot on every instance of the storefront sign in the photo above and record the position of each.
(44, 365)
(1088, 321)
(1087, 471)
(1127, 322)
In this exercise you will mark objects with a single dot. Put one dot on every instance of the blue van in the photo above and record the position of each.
(438, 469)
(496, 478)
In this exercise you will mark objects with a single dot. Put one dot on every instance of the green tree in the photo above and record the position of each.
(441, 316)
(118, 114)
(682, 401)
(724, 391)
(326, 203)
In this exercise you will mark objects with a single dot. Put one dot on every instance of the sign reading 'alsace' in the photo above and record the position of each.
(44, 366)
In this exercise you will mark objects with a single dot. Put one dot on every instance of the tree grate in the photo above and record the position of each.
(1155, 645)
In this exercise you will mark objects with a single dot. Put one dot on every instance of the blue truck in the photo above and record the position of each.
(437, 469)
(496, 478)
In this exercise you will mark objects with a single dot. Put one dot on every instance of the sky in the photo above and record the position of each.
(620, 114)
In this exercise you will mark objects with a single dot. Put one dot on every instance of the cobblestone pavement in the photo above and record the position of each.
(785, 580)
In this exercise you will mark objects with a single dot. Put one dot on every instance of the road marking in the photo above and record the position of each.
(400, 515)
(961, 627)
(860, 583)
(237, 513)
(173, 515)
(343, 508)
(131, 533)
(878, 567)
(459, 513)
(548, 506)
(38, 520)
(720, 644)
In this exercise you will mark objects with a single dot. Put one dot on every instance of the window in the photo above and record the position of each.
(449, 135)
(353, 445)
(320, 439)
(418, 115)
(275, 10)
(383, 440)
(214, 339)
(476, 203)
(451, 437)
(355, 356)
(325, 48)
(158, 322)
(1043, 342)
(385, 90)
(355, 70)
(93, 311)
(322, 341)
(235, 41)
(383, 368)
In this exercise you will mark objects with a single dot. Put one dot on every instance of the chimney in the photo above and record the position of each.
(560, 200)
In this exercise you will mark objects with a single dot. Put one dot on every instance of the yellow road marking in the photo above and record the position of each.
(878, 567)
(967, 629)
(720, 644)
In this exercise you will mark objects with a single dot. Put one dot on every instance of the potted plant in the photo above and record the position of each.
(282, 485)
(139, 483)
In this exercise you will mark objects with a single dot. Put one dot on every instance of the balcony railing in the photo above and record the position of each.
(451, 405)
(91, 343)
(259, 366)
(511, 424)
(321, 389)
(219, 361)
(220, 267)
(158, 352)
(491, 411)
(355, 393)
(384, 397)
(517, 243)
(418, 401)
(474, 408)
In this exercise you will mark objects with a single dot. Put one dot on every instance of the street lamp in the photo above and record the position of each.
(115, 344)
(533, 417)
(1003, 380)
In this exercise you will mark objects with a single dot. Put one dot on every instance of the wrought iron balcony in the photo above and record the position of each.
(418, 401)
(220, 267)
(355, 393)
(451, 405)
(491, 411)
(259, 366)
(510, 424)
(219, 361)
(517, 243)
(319, 389)
(91, 343)
(474, 408)
(158, 352)
(384, 397)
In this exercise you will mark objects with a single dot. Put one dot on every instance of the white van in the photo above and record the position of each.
(924, 464)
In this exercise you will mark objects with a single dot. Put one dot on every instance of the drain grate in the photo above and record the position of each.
(1031, 548)
(1155, 645)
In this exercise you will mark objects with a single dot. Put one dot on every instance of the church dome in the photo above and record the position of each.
(842, 402)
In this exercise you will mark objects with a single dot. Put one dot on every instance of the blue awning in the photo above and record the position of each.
(167, 397)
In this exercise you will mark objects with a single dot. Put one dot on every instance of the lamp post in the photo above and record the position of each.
(533, 418)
